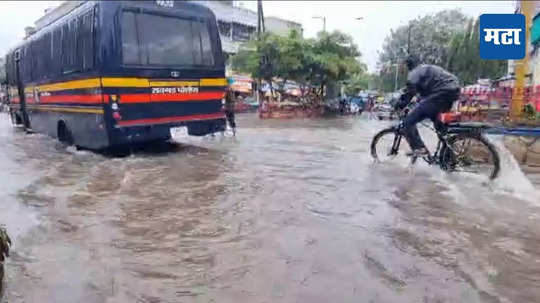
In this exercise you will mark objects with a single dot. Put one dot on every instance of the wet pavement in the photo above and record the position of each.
(288, 211)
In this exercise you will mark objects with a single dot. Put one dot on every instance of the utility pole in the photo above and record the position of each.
(324, 21)
(395, 79)
(409, 39)
(260, 31)
(522, 66)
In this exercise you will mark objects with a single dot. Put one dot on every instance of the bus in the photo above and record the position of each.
(110, 73)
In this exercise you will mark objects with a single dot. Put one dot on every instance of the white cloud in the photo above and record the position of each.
(15, 16)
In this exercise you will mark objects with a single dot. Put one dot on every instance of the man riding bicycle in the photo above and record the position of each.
(438, 90)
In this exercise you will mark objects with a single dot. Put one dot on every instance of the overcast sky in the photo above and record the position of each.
(378, 17)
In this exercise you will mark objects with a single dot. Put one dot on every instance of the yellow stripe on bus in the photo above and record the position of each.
(125, 82)
(214, 82)
(173, 83)
(69, 110)
(76, 84)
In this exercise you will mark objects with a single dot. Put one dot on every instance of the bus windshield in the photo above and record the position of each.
(157, 40)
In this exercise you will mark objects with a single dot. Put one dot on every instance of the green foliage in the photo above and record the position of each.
(334, 57)
(448, 38)
(5, 243)
(358, 82)
(429, 38)
(331, 57)
(465, 60)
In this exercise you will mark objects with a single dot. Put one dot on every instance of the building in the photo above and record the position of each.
(238, 25)
(53, 14)
(281, 26)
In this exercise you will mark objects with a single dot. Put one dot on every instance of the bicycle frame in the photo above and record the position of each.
(447, 154)
(442, 142)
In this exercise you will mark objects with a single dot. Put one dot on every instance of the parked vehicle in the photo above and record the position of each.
(384, 111)
(357, 105)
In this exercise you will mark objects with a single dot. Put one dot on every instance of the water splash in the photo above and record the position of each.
(511, 178)
(72, 149)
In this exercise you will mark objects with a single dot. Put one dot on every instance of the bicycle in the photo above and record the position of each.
(462, 147)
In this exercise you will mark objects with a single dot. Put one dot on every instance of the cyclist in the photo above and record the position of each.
(438, 89)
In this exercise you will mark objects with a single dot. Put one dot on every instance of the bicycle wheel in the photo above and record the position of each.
(388, 144)
(470, 153)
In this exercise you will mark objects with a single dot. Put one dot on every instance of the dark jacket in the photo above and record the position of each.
(428, 79)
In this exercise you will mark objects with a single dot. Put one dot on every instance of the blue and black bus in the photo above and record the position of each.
(111, 73)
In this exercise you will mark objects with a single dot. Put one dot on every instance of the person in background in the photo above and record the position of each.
(229, 105)
(371, 102)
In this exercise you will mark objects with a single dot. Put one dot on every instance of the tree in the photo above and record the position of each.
(448, 38)
(465, 61)
(429, 37)
(331, 57)
(282, 57)
(334, 59)
(358, 82)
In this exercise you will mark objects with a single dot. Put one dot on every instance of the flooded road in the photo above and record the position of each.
(288, 211)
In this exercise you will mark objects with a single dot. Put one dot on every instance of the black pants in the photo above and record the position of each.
(230, 118)
(428, 108)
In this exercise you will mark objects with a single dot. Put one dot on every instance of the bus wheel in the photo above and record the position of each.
(64, 134)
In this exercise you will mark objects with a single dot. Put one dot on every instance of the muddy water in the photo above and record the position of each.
(288, 211)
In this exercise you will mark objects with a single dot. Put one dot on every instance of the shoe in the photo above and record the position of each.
(420, 152)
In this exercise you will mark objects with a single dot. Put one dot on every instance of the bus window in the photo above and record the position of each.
(197, 43)
(172, 45)
(26, 64)
(130, 49)
(69, 46)
(86, 34)
(149, 39)
(57, 51)
(41, 57)
(207, 55)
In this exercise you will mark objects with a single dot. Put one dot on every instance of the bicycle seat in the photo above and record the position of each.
(469, 124)
(449, 117)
